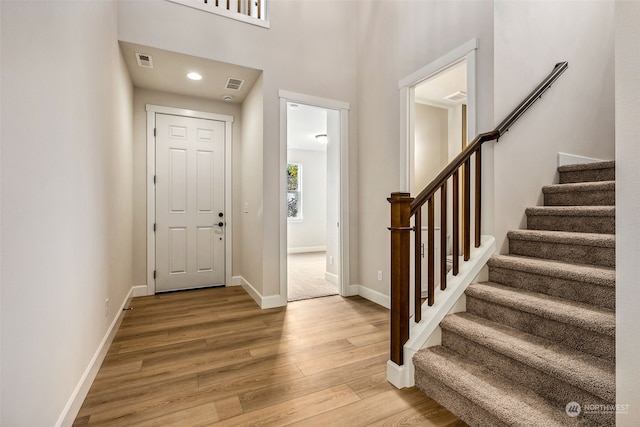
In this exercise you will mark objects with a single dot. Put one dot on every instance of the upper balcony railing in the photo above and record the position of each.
(249, 11)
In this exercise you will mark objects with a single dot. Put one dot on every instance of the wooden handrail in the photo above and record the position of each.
(403, 207)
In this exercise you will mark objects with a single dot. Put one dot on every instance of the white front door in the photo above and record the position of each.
(190, 217)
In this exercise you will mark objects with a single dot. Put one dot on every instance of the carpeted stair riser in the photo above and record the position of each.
(481, 398)
(587, 372)
(604, 171)
(590, 342)
(464, 409)
(574, 290)
(541, 333)
(587, 194)
(599, 251)
(544, 384)
(582, 222)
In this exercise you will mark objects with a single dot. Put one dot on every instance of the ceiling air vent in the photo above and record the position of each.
(458, 96)
(234, 84)
(144, 60)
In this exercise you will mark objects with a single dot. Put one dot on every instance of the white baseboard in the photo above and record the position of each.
(373, 296)
(236, 281)
(306, 249)
(574, 159)
(70, 411)
(269, 301)
(330, 277)
(139, 291)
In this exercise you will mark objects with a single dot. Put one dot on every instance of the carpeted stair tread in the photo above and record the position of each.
(565, 237)
(598, 193)
(581, 315)
(580, 186)
(579, 369)
(584, 219)
(596, 211)
(602, 276)
(607, 164)
(510, 404)
(598, 171)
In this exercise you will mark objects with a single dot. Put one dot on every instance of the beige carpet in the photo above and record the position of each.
(536, 346)
(306, 277)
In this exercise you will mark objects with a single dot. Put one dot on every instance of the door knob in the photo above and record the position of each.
(220, 214)
(220, 224)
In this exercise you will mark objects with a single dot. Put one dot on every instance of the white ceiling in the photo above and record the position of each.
(170, 69)
(434, 90)
(169, 75)
(304, 122)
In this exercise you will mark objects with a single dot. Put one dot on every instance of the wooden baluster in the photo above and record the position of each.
(466, 210)
(443, 236)
(239, 6)
(400, 252)
(430, 263)
(417, 253)
(455, 214)
(478, 205)
(259, 9)
(228, 4)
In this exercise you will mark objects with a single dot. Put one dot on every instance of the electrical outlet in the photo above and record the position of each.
(106, 307)
(379, 275)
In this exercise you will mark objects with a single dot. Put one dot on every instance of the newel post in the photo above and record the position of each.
(400, 250)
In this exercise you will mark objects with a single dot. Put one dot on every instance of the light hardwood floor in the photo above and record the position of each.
(213, 357)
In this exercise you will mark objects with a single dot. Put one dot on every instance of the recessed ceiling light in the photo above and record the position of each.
(194, 76)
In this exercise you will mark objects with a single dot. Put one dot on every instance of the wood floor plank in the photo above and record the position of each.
(213, 357)
(323, 363)
(270, 395)
(296, 409)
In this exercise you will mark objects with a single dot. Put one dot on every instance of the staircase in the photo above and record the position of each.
(540, 334)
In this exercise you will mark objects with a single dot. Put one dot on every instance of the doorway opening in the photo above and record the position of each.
(439, 135)
(438, 115)
(314, 193)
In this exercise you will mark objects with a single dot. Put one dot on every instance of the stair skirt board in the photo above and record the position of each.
(540, 333)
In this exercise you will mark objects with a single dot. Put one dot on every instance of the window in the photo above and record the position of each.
(294, 191)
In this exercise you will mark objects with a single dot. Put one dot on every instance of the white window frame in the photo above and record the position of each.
(300, 216)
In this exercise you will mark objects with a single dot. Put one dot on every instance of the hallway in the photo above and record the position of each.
(212, 356)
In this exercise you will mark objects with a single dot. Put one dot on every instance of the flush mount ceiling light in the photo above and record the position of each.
(194, 76)
(227, 98)
(322, 138)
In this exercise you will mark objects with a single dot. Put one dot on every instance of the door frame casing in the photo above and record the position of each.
(152, 110)
(343, 108)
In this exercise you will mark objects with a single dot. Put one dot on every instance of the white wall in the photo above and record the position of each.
(141, 98)
(431, 143)
(396, 39)
(66, 199)
(309, 49)
(627, 101)
(575, 116)
(311, 232)
(249, 213)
